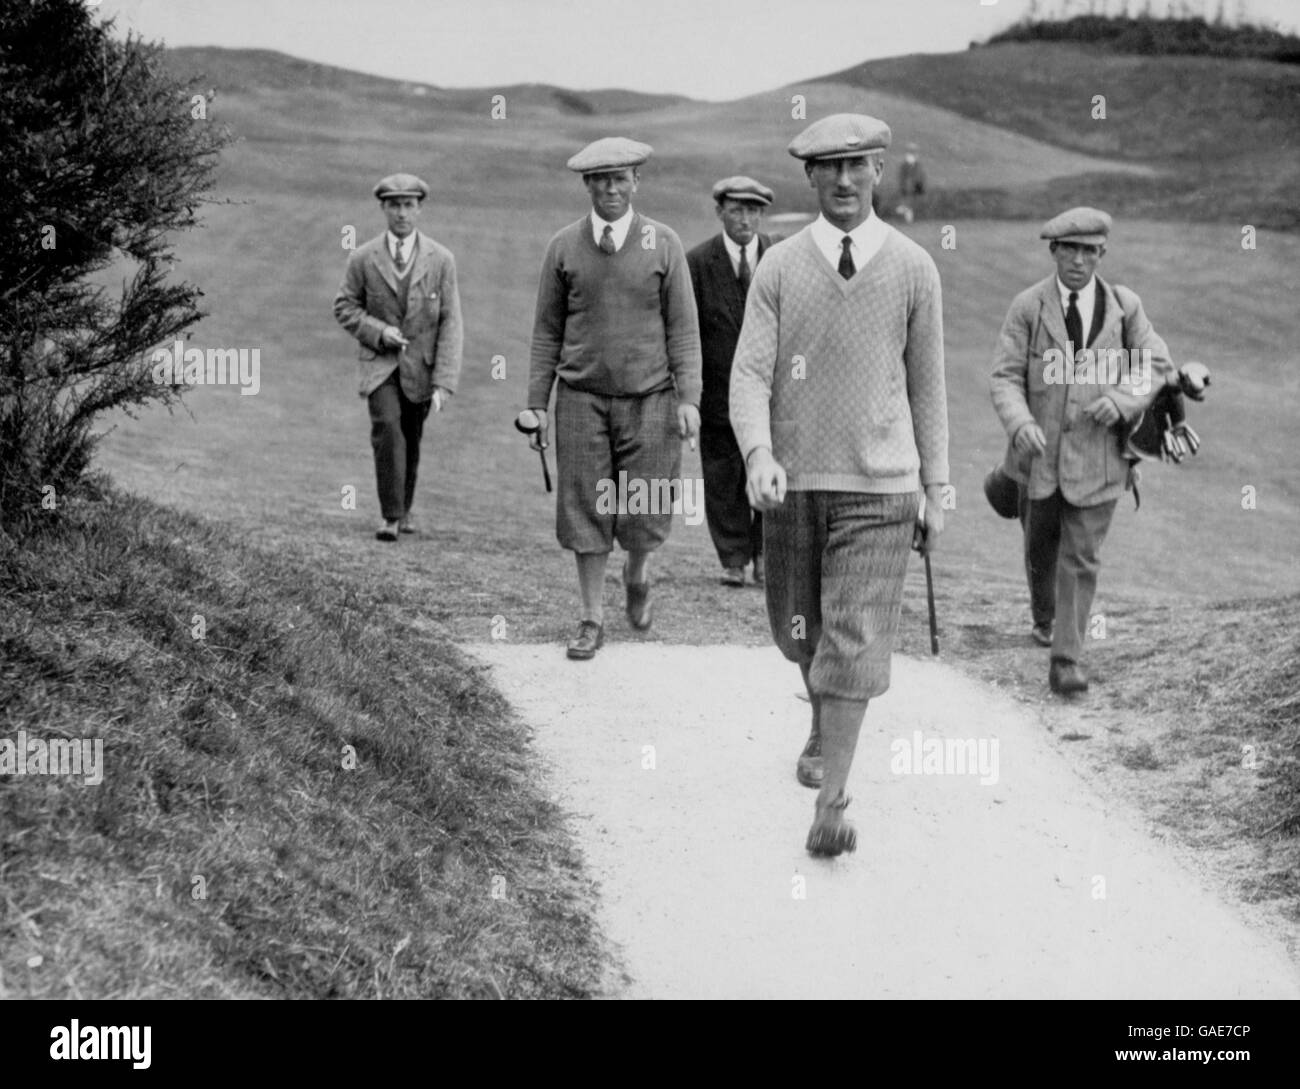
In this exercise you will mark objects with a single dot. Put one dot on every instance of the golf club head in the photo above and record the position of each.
(527, 422)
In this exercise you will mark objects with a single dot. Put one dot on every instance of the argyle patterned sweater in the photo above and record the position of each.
(843, 379)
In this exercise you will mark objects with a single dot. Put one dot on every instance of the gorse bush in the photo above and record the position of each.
(103, 154)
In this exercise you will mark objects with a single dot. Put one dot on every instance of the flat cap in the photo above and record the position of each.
(840, 136)
(402, 185)
(610, 153)
(1086, 225)
(739, 187)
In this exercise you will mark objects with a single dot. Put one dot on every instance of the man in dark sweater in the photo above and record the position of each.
(720, 273)
(616, 335)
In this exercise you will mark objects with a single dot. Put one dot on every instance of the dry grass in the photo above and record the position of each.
(224, 761)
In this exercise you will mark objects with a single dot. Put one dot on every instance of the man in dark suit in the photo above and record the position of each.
(399, 299)
(720, 273)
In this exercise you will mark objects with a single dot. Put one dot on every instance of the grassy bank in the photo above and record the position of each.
(235, 847)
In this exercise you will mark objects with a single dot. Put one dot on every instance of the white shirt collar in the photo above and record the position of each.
(621, 226)
(866, 239)
(733, 251)
(406, 243)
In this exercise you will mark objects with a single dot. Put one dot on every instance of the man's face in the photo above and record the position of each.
(1076, 262)
(844, 187)
(740, 219)
(611, 192)
(402, 212)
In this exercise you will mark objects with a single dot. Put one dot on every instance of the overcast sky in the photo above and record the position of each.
(713, 49)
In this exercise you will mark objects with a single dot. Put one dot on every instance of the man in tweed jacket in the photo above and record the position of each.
(1076, 359)
(399, 299)
(838, 405)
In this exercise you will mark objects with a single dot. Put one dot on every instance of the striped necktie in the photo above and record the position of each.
(397, 255)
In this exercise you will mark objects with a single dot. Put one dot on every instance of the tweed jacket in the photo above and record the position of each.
(1083, 459)
(369, 299)
(721, 307)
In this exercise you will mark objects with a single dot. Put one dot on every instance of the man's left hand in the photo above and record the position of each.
(1103, 411)
(688, 422)
(932, 519)
(440, 396)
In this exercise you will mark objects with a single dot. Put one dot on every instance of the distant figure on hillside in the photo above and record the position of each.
(399, 299)
(616, 336)
(911, 185)
(838, 395)
(1060, 412)
(721, 269)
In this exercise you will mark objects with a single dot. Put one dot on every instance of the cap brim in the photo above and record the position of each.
(1085, 239)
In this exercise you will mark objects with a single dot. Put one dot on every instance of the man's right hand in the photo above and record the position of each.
(765, 483)
(392, 337)
(539, 439)
(1030, 440)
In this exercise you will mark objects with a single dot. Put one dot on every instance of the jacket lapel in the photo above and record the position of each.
(422, 263)
(1107, 317)
(383, 262)
(1050, 310)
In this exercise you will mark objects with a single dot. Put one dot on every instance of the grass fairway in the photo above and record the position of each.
(295, 840)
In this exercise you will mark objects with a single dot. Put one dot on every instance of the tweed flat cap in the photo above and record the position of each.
(402, 185)
(1087, 225)
(840, 136)
(610, 153)
(739, 187)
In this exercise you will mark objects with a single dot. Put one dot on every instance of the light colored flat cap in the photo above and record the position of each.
(1087, 225)
(840, 136)
(402, 185)
(610, 153)
(739, 187)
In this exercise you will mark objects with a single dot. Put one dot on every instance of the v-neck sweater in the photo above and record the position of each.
(844, 379)
(619, 324)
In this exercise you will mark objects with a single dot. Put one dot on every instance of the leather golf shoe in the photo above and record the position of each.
(639, 613)
(589, 639)
(1066, 678)
(1042, 635)
(387, 531)
(733, 576)
(811, 768)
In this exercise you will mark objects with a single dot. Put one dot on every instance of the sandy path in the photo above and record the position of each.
(1026, 887)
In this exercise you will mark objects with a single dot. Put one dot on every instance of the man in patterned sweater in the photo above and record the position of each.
(616, 335)
(838, 405)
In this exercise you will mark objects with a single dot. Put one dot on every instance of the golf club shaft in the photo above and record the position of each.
(929, 596)
(546, 472)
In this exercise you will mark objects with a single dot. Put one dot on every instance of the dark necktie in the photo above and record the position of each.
(742, 273)
(397, 256)
(607, 240)
(1074, 323)
(846, 259)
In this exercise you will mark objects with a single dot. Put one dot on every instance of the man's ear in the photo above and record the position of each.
(808, 171)
(1102, 252)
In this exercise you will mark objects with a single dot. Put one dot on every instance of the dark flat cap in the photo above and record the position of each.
(402, 185)
(610, 153)
(1002, 492)
(840, 136)
(739, 187)
(1086, 225)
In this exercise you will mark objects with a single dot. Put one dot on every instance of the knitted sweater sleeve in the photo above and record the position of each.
(755, 361)
(681, 324)
(926, 389)
(548, 327)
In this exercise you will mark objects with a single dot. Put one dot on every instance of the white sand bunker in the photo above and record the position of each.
(972, 878)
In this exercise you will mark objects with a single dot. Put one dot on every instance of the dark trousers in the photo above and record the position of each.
(396, 425)
(1062, 543)
(736, 528)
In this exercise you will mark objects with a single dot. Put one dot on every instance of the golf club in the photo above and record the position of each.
(528, 423)
(918, 540)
